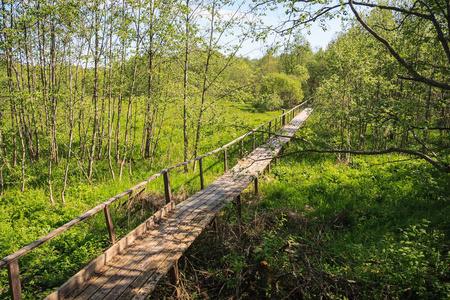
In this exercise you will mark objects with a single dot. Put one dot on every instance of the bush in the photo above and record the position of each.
(287, 87)
(268, 102)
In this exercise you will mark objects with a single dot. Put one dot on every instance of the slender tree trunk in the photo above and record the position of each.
(185, 87)
(95, 95)
(205, 85)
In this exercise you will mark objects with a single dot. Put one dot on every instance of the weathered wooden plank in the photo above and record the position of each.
(159, 271)
(156, 236)
(83, 275)
(159, 249)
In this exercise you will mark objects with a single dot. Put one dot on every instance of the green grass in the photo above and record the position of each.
(24, 217)
(378, 221)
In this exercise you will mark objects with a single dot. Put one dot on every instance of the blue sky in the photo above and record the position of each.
(316, 36)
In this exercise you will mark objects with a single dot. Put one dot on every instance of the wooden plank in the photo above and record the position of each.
(155, 252)
(157, 238)
(93, 267)
(159, 271)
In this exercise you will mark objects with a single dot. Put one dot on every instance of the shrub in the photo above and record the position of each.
(288, 88)
(268, 102)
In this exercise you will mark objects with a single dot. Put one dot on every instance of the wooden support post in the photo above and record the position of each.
(293, 114)
(253, 143)
(109, 224)
(225, 165)
(256, 186)
(200, 164)
(284, 120)
(167, 189)
(239, 206)
(216, 228)
(268, 169)
(14, 280)
(175, 279)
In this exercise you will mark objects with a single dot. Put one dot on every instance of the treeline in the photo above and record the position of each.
(85, 81)
(91, 85)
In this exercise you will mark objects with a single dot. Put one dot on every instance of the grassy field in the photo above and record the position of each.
(24, 217)
(376, 227)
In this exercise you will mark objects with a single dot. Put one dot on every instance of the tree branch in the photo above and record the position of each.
(396, 55)
(443, 167)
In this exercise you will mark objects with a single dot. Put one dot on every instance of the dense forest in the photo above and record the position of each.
(96, 95)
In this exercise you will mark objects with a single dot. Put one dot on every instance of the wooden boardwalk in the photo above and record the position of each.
(132, 267)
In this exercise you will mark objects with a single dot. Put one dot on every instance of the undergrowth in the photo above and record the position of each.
(372, 229)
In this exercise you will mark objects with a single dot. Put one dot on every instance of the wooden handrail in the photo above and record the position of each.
(23, 251)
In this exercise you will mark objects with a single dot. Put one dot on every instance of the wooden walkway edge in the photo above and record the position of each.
(132, 267)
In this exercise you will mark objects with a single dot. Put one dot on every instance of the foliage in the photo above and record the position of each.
(287, 87)
(268, 102)
(371, 229)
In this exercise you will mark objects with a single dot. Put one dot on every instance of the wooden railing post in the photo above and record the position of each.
(225, 165)
(14, 280)
(167, 189)
(253, 142)
(270, 129)
(284, 120)
(200, 164)
(262, 135)
(256, 186)
(241, 149)
(109, 224)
